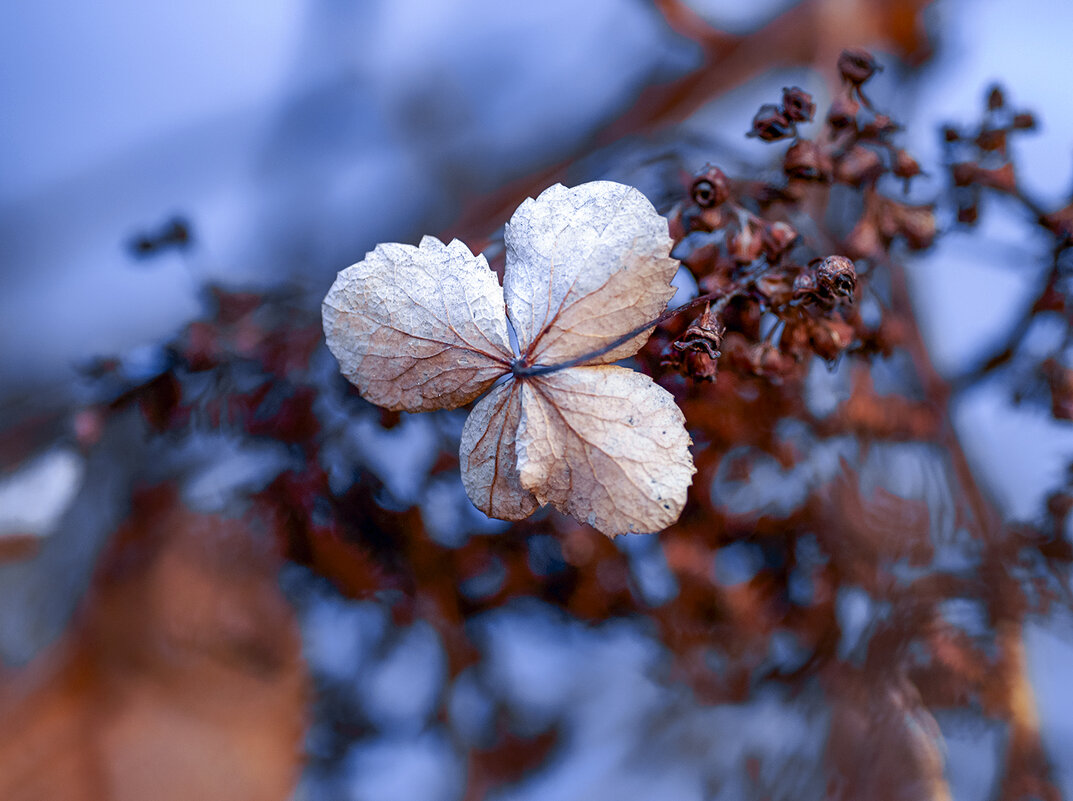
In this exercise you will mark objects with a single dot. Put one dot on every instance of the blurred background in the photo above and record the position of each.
(157, 641)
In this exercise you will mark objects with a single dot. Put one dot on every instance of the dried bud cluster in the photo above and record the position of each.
(980, 158)
(855, 149)
(811, 300)
(737, 239)
(779, 121)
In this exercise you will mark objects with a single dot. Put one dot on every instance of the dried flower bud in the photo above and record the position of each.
(864, 240)
(698, 366)
(805, 286)
(775, 287)
(794, 338)
(709, 219)
(696, 352)
(951, 134)
(759, 359)
(797, 104)
(995, 98)
(861, 165)
(856, 65)
(843, 112)
(700, 260)
(777, 238)
(705, 334)
(710, 188)
(746, 245)
(990, 140)
(915, 223)
(880, 126)
(1024, 122)
(905, 166)
(807, 161)
(836, 276)
(968, 214)
(829, 337)
(770, 124)
(1001, 178)
(963, 173)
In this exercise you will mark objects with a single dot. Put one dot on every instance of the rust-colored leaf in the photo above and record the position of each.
(183, 678)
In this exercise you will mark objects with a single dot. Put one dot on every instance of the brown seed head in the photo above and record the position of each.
(771, 124)
(995, 98)
(705, 334)
(905, 166)
(710, 188)
(991, 139)
(1024, 122)
(861, 165)
(797, 104)
(964, 173)
(699, 366)
(857, 65)
(836, 276)
(829, 337)
(915, 223)
(843, 112)
(777, 238)
(968, 214)
(807, 161)
(696, 353)
(805, 286)
(746, 245)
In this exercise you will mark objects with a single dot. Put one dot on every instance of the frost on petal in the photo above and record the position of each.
(487, 455)
(584, 267)
(606, 445)
(418, 328)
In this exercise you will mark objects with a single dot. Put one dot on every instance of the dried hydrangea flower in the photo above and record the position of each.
(587, 268)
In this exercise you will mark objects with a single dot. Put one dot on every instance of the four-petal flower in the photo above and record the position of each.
(420, 328)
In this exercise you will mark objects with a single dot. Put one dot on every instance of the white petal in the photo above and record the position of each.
(607, 445)
(488, 458)
(585, 266)
(418, 328)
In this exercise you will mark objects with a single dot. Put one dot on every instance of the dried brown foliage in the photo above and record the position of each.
(182, 678)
